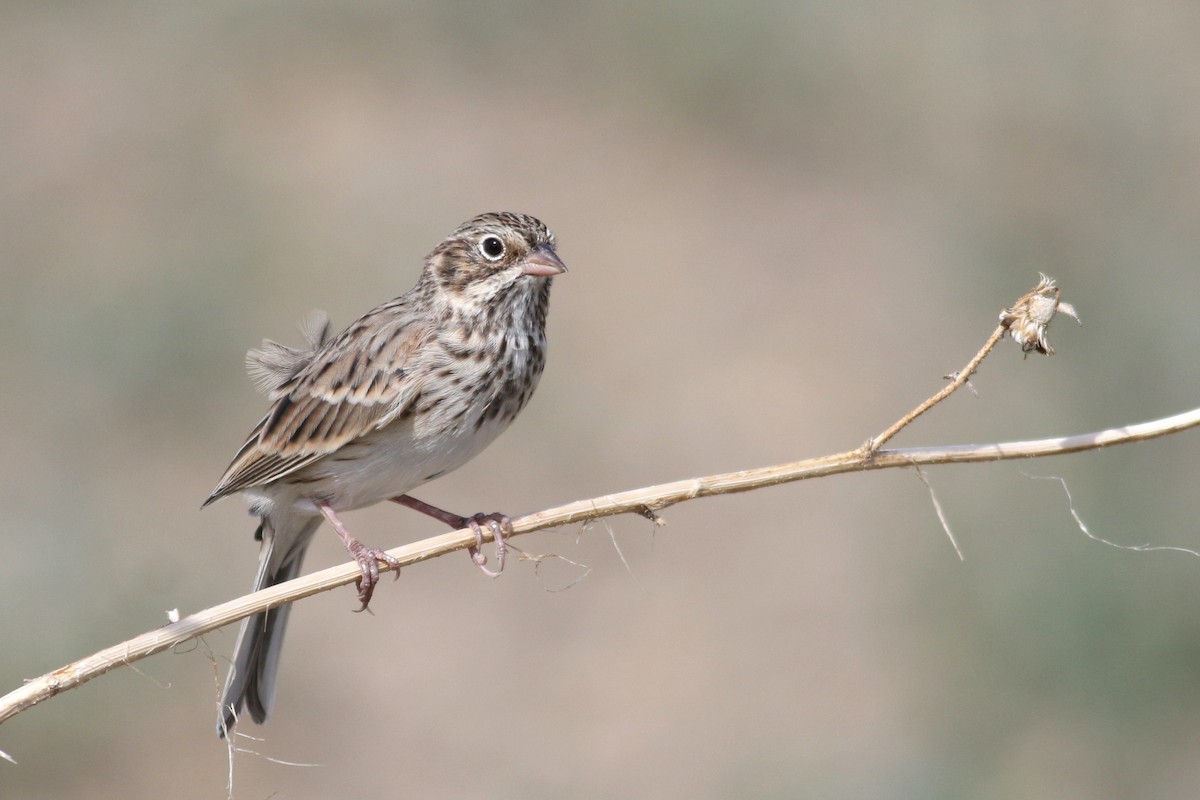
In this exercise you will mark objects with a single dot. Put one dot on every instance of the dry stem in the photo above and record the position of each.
(646, 502)
(959, 379)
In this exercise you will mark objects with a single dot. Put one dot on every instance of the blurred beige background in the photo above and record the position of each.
(784, 222)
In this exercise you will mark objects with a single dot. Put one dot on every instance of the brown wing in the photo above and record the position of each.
(358, 382)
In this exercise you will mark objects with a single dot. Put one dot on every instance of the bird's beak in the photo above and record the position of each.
(543, 262)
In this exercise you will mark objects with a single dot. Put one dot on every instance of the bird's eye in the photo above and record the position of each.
(491, 247)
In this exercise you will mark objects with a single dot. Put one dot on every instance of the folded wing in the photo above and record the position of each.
(335, 393)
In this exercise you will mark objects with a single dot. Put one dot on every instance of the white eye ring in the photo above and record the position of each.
(491, 247)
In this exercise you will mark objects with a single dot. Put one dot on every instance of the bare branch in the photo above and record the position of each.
(636, 501)
(644, 502)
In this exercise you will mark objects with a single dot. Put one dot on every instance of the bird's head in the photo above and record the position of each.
(491, 257)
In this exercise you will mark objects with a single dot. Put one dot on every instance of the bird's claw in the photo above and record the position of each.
(368, 559)
(500, 526)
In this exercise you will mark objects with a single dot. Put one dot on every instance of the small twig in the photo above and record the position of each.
(1027, 322)
(540, 558)
(279, 761)
(963, 375)
(937, 506)
(1135, 548)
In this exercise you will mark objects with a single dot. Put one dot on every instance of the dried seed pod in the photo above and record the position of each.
(1028, 320)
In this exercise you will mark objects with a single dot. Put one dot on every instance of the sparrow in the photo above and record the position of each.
(408, 392)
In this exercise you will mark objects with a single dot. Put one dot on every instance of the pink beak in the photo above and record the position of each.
(543, 262)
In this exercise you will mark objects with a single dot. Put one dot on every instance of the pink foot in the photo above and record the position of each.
(499, 524)
(368, 558)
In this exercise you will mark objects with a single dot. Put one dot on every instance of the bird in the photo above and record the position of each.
(406, 393)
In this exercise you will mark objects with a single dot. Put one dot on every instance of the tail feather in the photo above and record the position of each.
(255, 661)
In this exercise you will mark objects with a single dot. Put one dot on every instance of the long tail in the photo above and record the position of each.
(255, 660)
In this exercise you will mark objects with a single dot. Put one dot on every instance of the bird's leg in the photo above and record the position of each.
(368, 558)
(499, 524)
